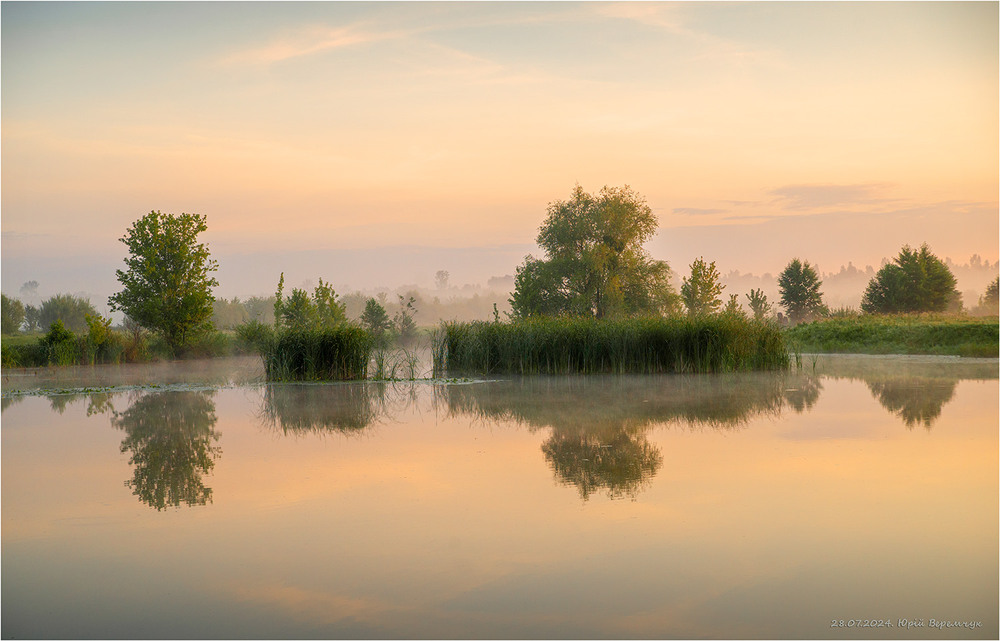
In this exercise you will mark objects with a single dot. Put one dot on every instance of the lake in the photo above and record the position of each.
(854, 497)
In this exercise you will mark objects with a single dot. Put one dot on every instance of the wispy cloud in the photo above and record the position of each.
(707, 46)
(694, 211)
(309, 40)
(803, 197)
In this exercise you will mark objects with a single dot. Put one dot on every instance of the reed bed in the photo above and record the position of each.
(339, 353)
(567, 345)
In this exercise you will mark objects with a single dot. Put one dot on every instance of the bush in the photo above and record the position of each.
(336, 353)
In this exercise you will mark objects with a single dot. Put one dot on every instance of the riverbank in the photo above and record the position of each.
(903, 334)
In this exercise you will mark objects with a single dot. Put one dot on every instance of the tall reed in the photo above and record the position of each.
(568, 345)
(336, 353)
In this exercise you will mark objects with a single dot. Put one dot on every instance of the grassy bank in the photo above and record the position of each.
(589, 346)
(902, 334)
(112, 347)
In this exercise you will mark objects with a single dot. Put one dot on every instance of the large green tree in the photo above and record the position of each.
(915, 281)
(799, 286)
(701, 291)
(167, 286)
(595, 263)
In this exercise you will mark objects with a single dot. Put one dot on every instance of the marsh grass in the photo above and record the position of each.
(899, 334)
(566, 345)
(338, 353)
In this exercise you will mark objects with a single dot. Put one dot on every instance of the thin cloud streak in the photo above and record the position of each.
(803, 197)
(307, 41)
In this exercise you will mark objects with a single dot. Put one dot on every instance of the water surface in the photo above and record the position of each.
(144, 502)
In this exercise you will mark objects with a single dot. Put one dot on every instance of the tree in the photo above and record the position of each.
(799, 286)
(733, 308)
(441, 279)
(915, 281)
(758, 304)
(595, 264)
(375, 319)
(406, 327)
(167, 287)
(29, 289)
(11, 315)
(299, 312)
(990, 300)
(32, 318)
(71, 310)
(700, 293)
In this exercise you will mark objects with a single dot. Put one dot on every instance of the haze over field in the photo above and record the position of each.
(374, 144)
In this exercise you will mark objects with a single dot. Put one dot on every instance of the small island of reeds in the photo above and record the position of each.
(580, 345)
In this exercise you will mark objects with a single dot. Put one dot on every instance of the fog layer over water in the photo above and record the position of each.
(149, 501)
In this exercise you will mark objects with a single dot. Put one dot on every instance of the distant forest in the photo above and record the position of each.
(467, 302)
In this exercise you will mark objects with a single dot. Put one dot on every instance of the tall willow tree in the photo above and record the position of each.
(595, 264)
(167, 287)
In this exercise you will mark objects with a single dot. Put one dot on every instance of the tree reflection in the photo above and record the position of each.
(915, 390)
(170, 436)
(599, 423)
(341, 407)
(804, 394)
(918, 401)
(7, 401)
(621, 463)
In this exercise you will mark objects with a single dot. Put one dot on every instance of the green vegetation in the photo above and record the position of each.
(989, 302)
(11, 315)
(901, 334)
(73, 311)
(300, 312)
(916, 281)
(167, 287)
(375, 319)
(311, 339)
(800, 296)
(569, 345)
(595, 263)
(701, 291)
(311, 354)
(758, 304)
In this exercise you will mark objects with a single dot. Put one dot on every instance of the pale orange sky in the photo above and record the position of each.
(757, 131)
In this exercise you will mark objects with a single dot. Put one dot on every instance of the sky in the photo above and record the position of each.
(376, 143)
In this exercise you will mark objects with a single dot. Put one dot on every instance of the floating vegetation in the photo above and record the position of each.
(568, 345)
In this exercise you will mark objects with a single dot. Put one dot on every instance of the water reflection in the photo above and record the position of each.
(620, 461)
(915, 390)
(599, 423)
(345, 408)
(916, 401)
(804, 394)
(171, 438)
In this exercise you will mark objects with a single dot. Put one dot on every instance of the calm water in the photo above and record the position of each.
(857, 489)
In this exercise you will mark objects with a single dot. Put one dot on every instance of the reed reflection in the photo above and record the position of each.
(171, 438)
(340, 407)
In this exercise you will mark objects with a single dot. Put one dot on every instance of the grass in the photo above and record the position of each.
(340, 353)
(115, 347)
(899, 334)
(568, 345)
